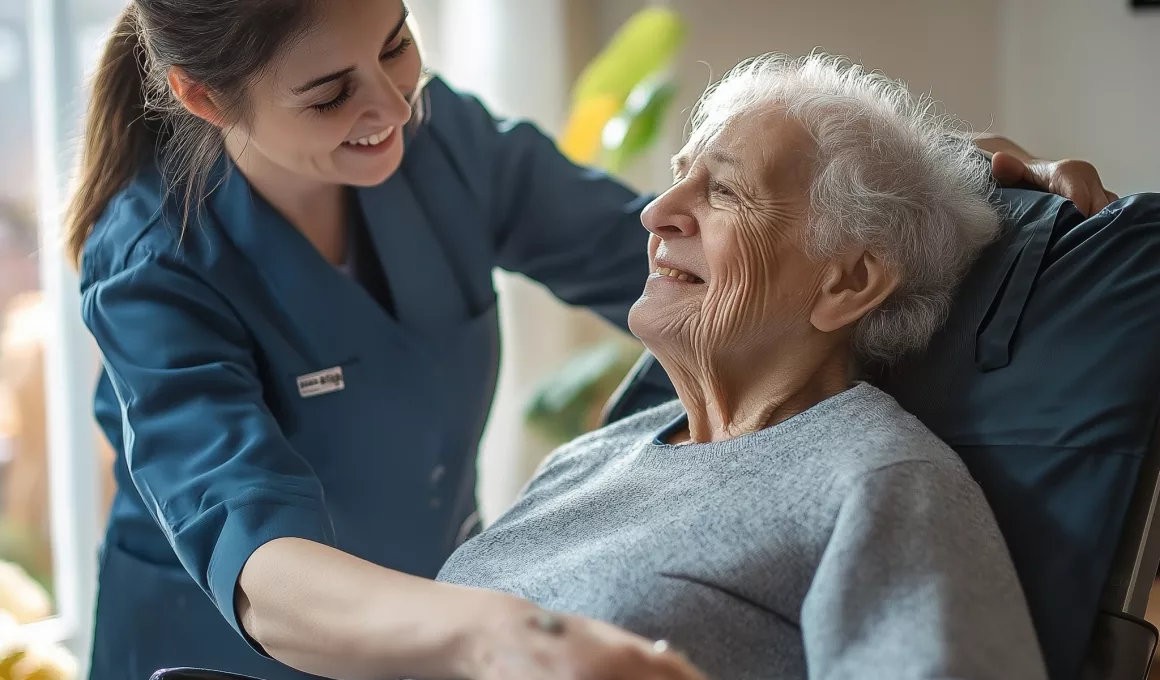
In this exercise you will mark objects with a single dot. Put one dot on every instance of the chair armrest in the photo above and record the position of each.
(196, 674)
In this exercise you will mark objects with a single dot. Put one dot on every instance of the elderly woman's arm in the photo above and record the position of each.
(917, 580)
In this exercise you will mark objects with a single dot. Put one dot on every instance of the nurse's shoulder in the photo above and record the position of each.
(458, 127)
(144, 222)
(491, 154)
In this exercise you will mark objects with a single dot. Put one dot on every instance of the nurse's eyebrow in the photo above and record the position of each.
(331, 77)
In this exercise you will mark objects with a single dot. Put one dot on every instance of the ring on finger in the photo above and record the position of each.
(547, 622)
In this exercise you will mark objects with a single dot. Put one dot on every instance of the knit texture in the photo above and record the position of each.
(845, 542)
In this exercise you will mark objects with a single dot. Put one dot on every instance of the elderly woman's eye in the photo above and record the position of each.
(721, 190)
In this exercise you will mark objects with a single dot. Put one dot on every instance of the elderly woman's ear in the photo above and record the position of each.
(851, 286)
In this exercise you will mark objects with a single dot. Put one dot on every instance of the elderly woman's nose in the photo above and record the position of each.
(666, 218)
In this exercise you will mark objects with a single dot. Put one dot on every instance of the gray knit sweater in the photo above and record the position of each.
(845, 542)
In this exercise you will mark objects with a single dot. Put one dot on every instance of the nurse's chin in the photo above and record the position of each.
(369, 171)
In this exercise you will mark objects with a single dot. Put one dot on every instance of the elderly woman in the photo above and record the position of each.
(781, 520)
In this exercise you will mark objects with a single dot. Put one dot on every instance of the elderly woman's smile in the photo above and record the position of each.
(699, 225)
(665, 270)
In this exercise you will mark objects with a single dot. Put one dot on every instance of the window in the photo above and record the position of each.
(54, 472)
(24, 508)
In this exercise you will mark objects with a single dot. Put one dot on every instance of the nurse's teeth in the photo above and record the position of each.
(373, 140)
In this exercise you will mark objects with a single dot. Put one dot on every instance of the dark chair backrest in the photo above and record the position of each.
(1046, 381)
(1123, 644)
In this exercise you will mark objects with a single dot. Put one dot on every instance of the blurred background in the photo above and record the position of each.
(1063, 78)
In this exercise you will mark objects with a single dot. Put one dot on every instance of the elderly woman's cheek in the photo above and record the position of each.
(760, 245)
(729, 287)
(719, 312)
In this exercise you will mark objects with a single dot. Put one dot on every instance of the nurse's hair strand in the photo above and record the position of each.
(133, 117)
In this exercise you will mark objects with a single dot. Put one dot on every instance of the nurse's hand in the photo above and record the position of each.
(1077, 181)
(536, 645)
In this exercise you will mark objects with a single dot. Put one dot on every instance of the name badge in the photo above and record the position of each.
(322, 382)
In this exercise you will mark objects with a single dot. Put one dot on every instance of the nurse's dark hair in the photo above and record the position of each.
(133, 117)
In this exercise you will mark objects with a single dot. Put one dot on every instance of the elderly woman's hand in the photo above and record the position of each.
(537, 645)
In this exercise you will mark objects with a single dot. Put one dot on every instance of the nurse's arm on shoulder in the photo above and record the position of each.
(575, 230)
(245, 513)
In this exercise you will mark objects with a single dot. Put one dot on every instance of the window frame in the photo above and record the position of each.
(70, 360)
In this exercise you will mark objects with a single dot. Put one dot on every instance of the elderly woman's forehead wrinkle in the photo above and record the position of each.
(790, 153)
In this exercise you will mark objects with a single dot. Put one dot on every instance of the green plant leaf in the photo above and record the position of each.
(636, 129)
(563, 407)
(645, 43)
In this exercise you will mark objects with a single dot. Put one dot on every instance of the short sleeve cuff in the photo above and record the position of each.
(248, 528)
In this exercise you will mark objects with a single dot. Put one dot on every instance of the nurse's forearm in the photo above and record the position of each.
(325, 612)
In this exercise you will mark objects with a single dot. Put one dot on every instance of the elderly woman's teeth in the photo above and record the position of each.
(678, 274)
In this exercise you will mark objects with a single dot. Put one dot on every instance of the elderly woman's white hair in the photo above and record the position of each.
(891, 176)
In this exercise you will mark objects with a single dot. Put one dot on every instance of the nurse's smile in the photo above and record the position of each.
(373, 144)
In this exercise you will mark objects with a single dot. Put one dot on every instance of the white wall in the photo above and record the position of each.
(1081, 79)
(946, 47)
(1064, 78)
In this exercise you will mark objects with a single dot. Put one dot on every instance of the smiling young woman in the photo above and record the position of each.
(301, 343)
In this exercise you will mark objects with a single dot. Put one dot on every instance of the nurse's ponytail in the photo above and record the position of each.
(134, 119)
(117, 134)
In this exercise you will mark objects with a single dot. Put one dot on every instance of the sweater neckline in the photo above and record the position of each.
(653, 446)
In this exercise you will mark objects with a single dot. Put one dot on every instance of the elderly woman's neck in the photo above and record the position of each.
(724, 402)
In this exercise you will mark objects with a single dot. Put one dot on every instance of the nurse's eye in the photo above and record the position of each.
(344, 95)
(396, 51)
(333, 104)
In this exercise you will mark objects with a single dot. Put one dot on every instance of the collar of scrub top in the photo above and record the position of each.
(427, 298)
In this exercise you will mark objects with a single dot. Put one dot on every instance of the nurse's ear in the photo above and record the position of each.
(195, 97)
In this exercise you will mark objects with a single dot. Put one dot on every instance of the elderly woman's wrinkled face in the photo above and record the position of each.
(729, 273)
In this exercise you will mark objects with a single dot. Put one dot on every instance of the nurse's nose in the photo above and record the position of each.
(392, 104)
(670, 215)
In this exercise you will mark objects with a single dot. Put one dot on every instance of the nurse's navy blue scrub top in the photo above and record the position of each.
(207, 337)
